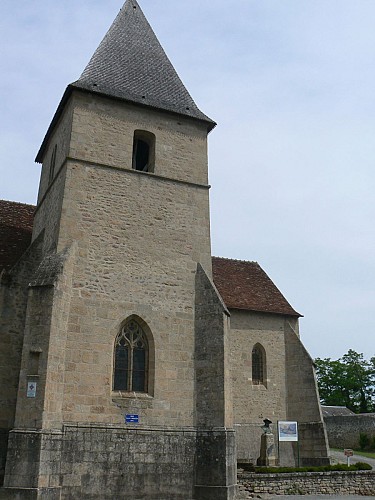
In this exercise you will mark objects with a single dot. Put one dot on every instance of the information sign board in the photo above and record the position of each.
(288, 431)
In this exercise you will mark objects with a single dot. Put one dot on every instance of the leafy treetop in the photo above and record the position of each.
(348, 381)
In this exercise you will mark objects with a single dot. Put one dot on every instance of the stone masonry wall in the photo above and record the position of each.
(139, 238)
(50, 196)
(43, 354)
(103, 463)
(61, 138)
(303, 403)
(13, 304)
(253, 403)
(216, 465)
(180, 146)
(289, 392)
(309, 483)
(344, 431)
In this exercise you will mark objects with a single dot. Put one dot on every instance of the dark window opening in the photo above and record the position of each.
(258, 365)
(143, 151)
(131, 357)
(141, 155)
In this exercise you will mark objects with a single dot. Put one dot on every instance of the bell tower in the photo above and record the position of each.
(125, 334)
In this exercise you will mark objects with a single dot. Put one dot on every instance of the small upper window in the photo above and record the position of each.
(131, 359)
(143, 151)
(258, 362)
(52, 164)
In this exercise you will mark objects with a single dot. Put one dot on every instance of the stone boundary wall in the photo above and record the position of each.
(343, 431)
(96, 462)
(309, 483)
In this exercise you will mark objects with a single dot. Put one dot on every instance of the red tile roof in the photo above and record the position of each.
(16, 223)
(244, 285)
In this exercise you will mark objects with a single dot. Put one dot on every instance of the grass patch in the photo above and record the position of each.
(367, 454)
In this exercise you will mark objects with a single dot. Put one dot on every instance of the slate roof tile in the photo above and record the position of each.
(244, 285)
(131, 64)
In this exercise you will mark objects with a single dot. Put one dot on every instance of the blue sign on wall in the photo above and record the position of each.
(132, 419)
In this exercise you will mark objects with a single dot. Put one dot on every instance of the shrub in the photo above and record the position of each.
(323, 468)
(364, 441)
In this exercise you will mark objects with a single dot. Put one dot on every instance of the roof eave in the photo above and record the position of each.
(55, 119)
(211, 124)
(69, 90)
(278, 313)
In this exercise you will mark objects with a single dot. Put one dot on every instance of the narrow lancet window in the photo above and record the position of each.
(131, 359)
(258, 361)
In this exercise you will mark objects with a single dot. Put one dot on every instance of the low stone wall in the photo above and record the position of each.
(94, 462)
(30, 494)
(343, 431)
(309, 483)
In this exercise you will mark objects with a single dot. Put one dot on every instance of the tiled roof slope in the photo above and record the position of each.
(336, 411)
(244, 285)
(16, 223)
(131, 64)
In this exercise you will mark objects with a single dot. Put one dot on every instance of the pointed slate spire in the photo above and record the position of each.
(131, 64)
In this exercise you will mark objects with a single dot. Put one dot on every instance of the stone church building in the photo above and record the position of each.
(133, 364)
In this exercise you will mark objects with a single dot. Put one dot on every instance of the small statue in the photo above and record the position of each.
(267, 446)
(266, 427)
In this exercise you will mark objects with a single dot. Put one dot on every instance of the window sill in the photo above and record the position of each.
(258, 386)
(130, 395)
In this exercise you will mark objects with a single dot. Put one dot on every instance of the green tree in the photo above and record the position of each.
(348, 381)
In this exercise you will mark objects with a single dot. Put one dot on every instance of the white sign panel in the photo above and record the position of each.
(31, 389)
(288, 431)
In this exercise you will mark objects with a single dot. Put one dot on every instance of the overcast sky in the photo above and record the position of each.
(291, 85)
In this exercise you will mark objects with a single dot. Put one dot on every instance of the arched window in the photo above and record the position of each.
(131, 359)
(258, 362)
(143, 151)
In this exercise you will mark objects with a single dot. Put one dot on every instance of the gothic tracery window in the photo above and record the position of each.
(131, 359)
(258, 362)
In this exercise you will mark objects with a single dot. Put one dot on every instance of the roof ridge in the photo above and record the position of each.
(237, 260)
(18, 203)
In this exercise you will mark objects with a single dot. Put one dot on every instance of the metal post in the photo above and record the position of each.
(298, 453)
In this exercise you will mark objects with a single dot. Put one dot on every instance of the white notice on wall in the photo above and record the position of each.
(31, 389)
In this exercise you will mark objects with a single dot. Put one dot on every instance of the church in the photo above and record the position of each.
(133, 364)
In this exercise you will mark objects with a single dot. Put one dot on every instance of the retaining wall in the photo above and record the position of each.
(309, 483)
(343, 431)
